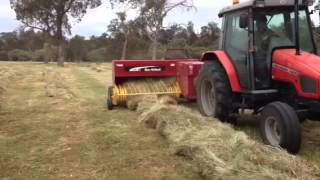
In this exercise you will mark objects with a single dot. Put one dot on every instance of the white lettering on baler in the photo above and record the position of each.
(146, 69)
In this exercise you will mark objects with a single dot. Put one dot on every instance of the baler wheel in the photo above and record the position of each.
(280, 127)
(109, 98)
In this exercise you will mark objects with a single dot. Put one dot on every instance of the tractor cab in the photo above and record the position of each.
(253, 30)
(266, 63)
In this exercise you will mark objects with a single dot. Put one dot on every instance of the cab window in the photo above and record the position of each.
(236, 46)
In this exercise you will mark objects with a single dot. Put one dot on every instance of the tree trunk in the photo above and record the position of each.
(60, 40)
(124, 48)
(155, 43)
(154, 48)
(47, 46)
(61, 53)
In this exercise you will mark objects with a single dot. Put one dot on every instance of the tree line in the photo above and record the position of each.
(25, 45)
(46, 26)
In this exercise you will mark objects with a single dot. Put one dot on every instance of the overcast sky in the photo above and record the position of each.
(95, 22)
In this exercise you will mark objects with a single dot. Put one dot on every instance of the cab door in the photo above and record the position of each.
(236, 45)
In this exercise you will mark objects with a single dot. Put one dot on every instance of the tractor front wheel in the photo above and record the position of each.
(214, 95)
(280, 127)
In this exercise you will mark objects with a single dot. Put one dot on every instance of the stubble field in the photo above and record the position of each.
(54, 125)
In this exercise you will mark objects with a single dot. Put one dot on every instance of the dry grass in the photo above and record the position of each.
(56, 84)
(220, 151)
(100, 67)
(133, 102)
(55, 137)
(44, 137)
(6, 75)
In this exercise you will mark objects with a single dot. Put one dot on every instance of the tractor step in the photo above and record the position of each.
(258, 92)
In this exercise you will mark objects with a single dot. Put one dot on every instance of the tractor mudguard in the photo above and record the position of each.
(225, 61)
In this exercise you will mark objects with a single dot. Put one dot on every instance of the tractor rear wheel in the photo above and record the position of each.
(214, 95)
(280, 127)
(109, 98)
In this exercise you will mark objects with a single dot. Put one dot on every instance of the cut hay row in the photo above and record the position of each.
(219, 151)
(56, 85)
(6, 75)
(100, 67)
(161, 86)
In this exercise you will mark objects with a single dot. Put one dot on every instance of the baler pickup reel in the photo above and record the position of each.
(121, 94)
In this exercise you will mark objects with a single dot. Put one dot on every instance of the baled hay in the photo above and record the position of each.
(220, 151)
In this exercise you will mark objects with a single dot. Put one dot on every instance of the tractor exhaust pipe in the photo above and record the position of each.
(297, 30)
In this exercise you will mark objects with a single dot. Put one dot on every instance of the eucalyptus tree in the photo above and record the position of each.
(52, 17)
(153, 13)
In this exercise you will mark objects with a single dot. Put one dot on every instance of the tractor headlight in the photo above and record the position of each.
(308, 85)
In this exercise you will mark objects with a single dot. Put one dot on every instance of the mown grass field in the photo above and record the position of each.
(54, 125)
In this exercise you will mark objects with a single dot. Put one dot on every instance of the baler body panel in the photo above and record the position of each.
(142, 68)
(185, 72)
(186, 75)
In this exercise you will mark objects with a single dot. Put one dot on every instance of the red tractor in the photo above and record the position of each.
(266, 63)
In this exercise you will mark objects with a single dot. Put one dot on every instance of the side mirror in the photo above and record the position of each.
(244, 21)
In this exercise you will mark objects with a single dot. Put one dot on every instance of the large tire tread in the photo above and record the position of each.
(291, 130)
(215, 71)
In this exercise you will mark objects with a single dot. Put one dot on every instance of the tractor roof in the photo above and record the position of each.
(262, 4)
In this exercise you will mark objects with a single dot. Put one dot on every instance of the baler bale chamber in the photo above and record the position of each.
(132, 78)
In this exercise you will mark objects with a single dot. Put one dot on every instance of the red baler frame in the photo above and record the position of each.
(185, 71)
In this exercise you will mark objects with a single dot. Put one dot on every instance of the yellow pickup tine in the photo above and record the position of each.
(121, 93)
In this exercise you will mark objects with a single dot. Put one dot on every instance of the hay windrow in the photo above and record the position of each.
(217, 149)
(56, 85)
(133, 102)
(97, 68)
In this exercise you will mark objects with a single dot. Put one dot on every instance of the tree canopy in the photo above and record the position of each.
(52, 17)
(47, 26)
